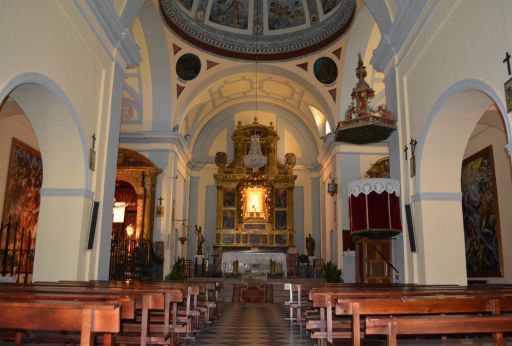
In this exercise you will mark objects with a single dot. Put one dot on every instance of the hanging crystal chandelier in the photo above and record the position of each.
(255, 158)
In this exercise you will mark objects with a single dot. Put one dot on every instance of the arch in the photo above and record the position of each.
(469, 98)
(263, 69)
(437, 201)
(53, 116)
(310, 143)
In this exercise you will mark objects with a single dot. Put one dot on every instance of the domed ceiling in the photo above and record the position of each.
(259, 29)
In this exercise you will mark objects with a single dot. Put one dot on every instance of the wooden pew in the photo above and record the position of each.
(164, 300)
(393, 326)
(324, 297)
(87, 318)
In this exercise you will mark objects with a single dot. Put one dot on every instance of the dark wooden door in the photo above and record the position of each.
(373, 259)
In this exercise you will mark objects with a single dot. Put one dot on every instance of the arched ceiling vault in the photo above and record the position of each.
(238, 85)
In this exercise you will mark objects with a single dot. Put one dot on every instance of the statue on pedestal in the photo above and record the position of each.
(310, 245)
(200, 240)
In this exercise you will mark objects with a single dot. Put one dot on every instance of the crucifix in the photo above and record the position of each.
(406, 149)
(412, 162)
(413, 143)
(160, 208)
(507, 61)
(92, 154)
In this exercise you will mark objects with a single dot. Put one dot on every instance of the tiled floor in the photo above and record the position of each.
(259, 324)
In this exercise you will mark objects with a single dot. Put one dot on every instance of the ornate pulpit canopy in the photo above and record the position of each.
(374, 208)
(363, 124)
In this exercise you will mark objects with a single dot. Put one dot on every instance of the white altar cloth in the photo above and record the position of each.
(253, 262)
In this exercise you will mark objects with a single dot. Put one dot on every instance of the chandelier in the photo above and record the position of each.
(254, 158)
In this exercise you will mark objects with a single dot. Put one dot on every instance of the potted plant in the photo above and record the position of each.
(178, 270)
(332, 272)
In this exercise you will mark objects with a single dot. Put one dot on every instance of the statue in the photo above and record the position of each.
(310, 245)
(200, 240)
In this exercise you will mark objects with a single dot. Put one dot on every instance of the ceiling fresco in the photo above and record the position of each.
(259, 29)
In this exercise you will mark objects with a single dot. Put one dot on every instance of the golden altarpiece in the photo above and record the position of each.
(254, 208)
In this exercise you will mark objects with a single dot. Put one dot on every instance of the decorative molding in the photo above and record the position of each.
(378, 185)
(333, 93)
(65, 192)
(392, 42)
(303, 66)
(210, 64)
(118, 34)
(153, 137)
(508, 146)
(337, 53)
(179, 90)
(175, 48)
(437, 196)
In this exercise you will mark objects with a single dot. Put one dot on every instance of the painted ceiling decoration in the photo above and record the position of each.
(259, 29)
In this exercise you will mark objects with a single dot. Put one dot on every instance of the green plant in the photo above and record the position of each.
(332, 272)
(178, 270)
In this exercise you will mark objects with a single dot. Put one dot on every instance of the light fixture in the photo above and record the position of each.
(118, 212)
(332, 187)
(129, 230)
(255, 158)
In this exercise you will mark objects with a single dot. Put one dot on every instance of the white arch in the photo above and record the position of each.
(53, 102)
(263, 69)
(438, 196)
(475, 96)
(305, 136)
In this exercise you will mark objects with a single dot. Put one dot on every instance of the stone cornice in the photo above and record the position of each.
(158, 137)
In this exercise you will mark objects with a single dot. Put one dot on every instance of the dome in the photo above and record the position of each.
(259, 29)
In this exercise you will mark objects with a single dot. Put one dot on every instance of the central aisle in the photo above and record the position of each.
(252, 324)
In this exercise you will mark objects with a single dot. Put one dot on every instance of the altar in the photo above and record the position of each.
(253, 262)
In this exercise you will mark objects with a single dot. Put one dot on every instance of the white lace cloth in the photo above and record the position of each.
(253, 262)
(379, 185)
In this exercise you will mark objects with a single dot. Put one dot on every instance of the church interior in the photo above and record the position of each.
(256, 149)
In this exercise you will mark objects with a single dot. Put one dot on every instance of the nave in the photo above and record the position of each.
(252, 324)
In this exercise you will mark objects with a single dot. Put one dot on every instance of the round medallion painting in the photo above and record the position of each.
(188, 66)
(325, 70)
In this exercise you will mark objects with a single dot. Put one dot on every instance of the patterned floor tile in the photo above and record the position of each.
(261, 324)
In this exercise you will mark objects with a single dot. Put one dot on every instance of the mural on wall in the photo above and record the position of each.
(231, 13)
(481, 215)
(285, 14)
(22, 192)
(329, 5)
(187, 3)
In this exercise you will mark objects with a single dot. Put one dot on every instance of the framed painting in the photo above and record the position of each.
(22, 192)
(228, 219)
(481, 216)
(281, 222)
(508, 94)
(228, 198)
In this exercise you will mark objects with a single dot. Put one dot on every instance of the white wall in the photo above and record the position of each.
(66, 76)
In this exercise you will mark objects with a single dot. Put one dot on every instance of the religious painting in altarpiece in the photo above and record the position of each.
(254, 207)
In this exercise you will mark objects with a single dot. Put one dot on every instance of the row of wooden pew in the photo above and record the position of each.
(107, 312)
(331, 312)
